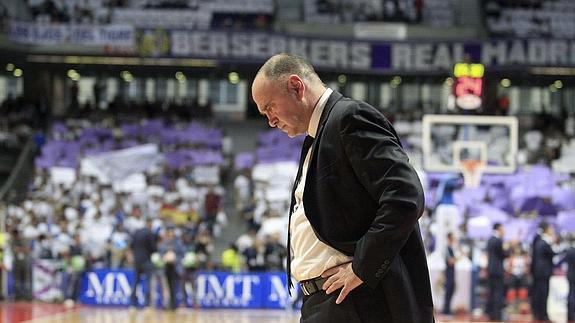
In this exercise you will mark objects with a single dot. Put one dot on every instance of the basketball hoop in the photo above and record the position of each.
(472, 170)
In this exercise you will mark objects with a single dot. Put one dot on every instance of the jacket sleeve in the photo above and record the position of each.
(383, 168)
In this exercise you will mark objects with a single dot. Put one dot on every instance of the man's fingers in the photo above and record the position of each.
(342, 295)
(330, 272)
(335, 285)
(330, 281)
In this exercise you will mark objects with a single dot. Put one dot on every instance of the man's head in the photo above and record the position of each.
(286, 90)
(498, 229)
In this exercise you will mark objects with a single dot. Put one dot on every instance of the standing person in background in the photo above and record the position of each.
(172, 251)
(570, 260)
(75, 266)
(355, 243)
(143, 245)
(275, 253)
(449, 274)
(495, 274)
(22, 266)
(190, 265)
(212, 202)
(517, 265)
(542, 266)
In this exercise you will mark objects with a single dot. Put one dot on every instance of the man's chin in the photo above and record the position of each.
(290, 132)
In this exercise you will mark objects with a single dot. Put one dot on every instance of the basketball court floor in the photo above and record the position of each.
(55, 313)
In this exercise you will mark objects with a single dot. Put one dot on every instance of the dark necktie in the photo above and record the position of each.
(307, 143)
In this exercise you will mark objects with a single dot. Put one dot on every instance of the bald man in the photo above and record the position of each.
(354, 241)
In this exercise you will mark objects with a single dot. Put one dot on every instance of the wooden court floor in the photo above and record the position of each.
(55, 313)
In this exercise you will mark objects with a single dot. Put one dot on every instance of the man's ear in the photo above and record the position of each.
(296, 86)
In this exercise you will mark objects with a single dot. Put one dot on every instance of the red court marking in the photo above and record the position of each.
(20, 312)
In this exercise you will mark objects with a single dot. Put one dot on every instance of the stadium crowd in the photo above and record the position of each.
(86, 223)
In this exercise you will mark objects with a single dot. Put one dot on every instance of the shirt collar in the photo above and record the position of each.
(317, 110)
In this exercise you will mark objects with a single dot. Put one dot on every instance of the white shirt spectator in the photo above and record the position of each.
(131, 223)
(242, 187)
(245, 241)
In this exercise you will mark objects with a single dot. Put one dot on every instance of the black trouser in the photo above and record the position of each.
(362, 304)
(540, 293)
(571, 302)
(172, 278)
(22, 279)
(72, 288)
(495, 298)
(142, 271)
(449, 290)
(189, 286)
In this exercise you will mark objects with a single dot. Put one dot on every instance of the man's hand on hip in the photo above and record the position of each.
(341, 276)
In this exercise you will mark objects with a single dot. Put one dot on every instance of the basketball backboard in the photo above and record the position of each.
(448, 141)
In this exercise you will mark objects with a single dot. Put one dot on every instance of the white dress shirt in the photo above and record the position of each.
(310, 256)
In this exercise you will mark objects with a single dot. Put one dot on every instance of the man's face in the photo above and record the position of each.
(282, 104)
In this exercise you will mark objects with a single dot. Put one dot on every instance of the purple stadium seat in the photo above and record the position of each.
(566, 221)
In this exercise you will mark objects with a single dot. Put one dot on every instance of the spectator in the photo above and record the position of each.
(517, 267)
(74, 264)
(22, 267)
(143, 245)
(275, 253)
(211, 207)
(172, 251)
(449, 274)
(542, 269)
(204, 249)
(255, 256)
(231, 260)
(570, 259)
(190, 265)
(496, 274)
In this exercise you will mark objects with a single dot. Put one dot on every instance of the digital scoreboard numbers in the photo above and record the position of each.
(468, 86)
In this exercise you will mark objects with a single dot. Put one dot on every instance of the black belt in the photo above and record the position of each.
(312, 286)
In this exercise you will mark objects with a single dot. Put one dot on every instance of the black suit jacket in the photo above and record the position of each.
(496, 256)
(143, 245)
(363, 198)
(570, 260)
(542, 260)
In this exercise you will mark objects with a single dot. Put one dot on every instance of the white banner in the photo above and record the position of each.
(55, 34)
(206, 174)
(165, 18)
(118, 165)
(63, 175)
(46, 280)
(245, 6)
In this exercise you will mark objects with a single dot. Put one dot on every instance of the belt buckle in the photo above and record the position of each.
(304, 289)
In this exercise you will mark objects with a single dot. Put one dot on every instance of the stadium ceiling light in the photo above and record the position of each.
(18, 72)
(505, 82)
(10, 67)
(234, 77)
(558, 84)
(72, 73)
(342, 79)
(180, 76)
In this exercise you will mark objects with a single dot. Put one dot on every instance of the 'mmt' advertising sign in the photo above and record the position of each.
(213, 289)
(107, 287)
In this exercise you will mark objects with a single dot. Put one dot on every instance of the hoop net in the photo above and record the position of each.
(472, 170)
